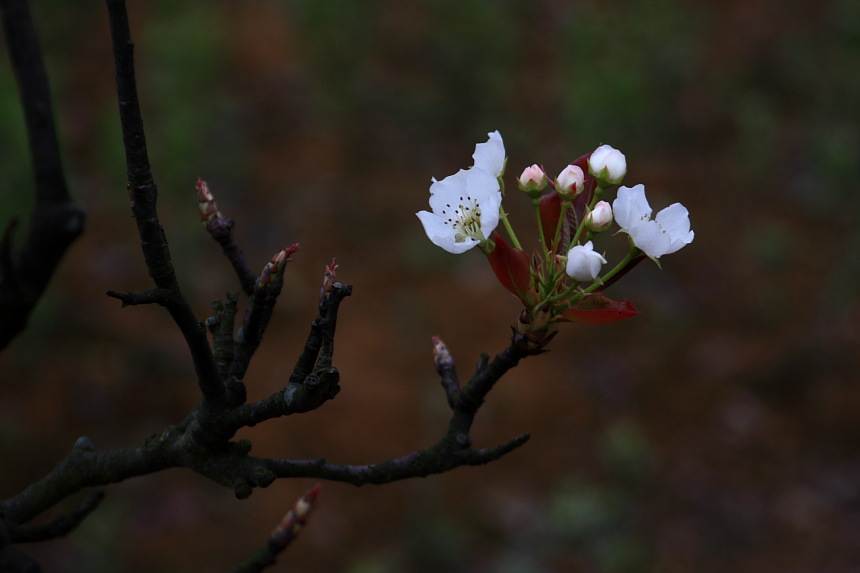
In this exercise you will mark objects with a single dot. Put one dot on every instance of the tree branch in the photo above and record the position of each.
(59, 526)
(144, 195)
(56, 221)
(221, 230)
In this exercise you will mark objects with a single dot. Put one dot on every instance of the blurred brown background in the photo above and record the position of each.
(717, 431)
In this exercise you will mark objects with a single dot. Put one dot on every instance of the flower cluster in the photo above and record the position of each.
(564, 278)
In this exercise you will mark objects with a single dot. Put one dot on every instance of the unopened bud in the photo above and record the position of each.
(295, 519)
(206, 203)
(599, 218)
(570, 182)
(275, 266)
(608, 165)
(532, 181)
(441, 357)
(329, 278)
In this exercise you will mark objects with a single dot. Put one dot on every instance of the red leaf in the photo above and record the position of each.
(512, 267)
(597, 308)
(584, 198)
(550, 211)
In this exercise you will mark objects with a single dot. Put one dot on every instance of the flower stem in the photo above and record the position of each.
(598, 194)
(564, 207)
(513, 236)
(631, 254)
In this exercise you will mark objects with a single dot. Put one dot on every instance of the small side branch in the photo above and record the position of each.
(436, 459)
(313, 380)
(59, 526)
(151, 296)
(221, 230)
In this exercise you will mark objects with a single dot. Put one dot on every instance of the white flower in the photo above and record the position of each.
(583, 263)
(665, 234)
(490, 156)
(608, 165)
(466, 205)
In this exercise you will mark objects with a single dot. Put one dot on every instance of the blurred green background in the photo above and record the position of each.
(717, 431)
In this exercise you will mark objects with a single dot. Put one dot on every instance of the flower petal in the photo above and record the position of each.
(649, 237)
(441, 235)
(484, 189)
(446, 193)
(675, 221)
(630, 206)
(490, 156)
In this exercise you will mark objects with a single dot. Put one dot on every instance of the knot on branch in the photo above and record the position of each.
(317, 388)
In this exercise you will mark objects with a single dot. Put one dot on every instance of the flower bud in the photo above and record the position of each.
(441, 357)
(599, 218)
(206, 203)
(570, 182)
(583, 263)
(608, 165)
(532, 181)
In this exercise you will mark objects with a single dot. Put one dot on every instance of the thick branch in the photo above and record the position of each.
(56, 221)
(84, 467)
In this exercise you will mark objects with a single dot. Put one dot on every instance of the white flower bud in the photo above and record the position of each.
(532, 181)
(608, 165)
(599, 218)
(570, 182)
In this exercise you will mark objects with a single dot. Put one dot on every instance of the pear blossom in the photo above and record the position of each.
(466, 205)
(668, 232)
(570, 182)
(608, 165)
(583, 262)
(532, 180)
(599, 218)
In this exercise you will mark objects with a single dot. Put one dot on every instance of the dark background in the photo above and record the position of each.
(717, 431)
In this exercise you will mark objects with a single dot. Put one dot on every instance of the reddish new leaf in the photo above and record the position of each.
(512, 267)
(597, 308)
(550, 211)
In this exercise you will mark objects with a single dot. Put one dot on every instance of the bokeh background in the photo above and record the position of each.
(717, 431)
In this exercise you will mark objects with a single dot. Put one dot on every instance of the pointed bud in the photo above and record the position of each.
(206, 203)
(441, 357)
(570, 182)
(608, 165)
(275, 266)
(599, 218)
(294, 521)
(329, 278)
(532, 181)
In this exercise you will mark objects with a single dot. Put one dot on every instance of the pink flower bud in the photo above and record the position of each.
(532, 181)
(608, 165)
(583, 263)
(570, 182)
(599, 218)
